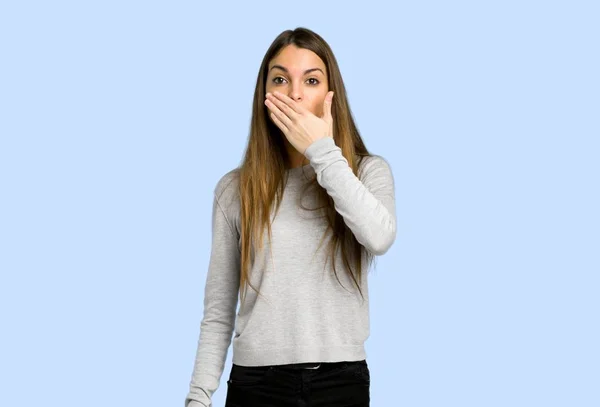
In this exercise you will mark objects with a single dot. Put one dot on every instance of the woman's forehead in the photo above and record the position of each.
(296, 60)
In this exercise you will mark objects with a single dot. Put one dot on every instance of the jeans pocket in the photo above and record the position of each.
(248, 375)
(366, 374)
(361, 371)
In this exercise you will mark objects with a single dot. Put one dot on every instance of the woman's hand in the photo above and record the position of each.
(299, 125)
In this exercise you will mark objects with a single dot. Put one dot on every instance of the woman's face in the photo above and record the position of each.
(300, 74)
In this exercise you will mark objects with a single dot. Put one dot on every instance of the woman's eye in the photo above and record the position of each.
(279, 77)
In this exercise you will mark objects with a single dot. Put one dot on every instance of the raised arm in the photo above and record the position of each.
(367, 204)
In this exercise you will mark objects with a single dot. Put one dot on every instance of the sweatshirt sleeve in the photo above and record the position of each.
(220, 303)
(367, 204)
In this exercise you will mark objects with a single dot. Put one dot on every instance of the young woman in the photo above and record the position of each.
(328, 208)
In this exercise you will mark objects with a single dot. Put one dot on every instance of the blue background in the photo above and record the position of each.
(118, 118)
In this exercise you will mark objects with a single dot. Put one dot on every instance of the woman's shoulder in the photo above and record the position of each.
(227, 195)
(227, 184)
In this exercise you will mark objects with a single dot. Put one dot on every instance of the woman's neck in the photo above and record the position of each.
(295, 158)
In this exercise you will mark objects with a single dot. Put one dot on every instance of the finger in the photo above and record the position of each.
(327, 116)
(285, 109)
(291, 103)
(279, 124)
(282, 117)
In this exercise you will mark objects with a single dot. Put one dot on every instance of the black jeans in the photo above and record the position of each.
(339, 384)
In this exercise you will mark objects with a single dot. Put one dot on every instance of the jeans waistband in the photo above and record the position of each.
(316, 365)
(309, 365)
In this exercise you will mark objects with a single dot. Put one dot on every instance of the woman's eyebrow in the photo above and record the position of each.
(284, 69)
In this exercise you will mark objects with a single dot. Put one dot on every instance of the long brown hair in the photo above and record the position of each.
(263, 169)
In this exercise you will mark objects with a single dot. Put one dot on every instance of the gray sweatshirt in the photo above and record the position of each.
(302, 314)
